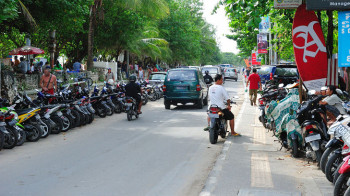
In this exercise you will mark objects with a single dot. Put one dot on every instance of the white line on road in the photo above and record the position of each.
(215, 172)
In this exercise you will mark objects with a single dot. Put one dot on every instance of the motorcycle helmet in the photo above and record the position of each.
(110, 82)
(132, 78)
(206, 72)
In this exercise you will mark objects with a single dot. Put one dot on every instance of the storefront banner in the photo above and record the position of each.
(309, 49)
(328, 5)
(262, 43)
(287, 4)
(344, 39)
(264, 25)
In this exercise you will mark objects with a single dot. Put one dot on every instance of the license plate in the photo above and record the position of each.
(312, 138)
(128, 104)
(213, 115)
(59, 114)
(181, 87)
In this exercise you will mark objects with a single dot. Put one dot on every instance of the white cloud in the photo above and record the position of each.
(221, 24)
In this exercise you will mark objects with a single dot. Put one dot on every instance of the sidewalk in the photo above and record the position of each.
(254, 165)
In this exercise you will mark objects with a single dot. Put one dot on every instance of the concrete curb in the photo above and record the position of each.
(210, 184)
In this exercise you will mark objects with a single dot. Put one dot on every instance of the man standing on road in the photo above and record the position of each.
(48, 81)
(255, 81)
(109, 75)
(219, 96)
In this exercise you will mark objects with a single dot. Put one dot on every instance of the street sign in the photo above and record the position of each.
(287, 4)
(262, 43)
(309, 49)
(264, 25)
(344, 39)
(328, 5)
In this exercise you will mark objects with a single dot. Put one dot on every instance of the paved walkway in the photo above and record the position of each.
(254, 165)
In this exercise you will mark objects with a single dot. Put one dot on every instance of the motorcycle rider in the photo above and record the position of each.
(134, 90)
(218, 96)
(207, 78)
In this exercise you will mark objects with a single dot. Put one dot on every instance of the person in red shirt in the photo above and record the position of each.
(254, 81)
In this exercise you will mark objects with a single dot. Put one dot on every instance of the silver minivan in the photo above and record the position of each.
(231, 73)
(213, 70)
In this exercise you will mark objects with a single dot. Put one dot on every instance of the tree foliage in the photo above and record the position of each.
(245, 16)
(172, 31)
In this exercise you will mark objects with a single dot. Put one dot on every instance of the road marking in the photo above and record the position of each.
(260, 170)
(210, 184)
(259, 136)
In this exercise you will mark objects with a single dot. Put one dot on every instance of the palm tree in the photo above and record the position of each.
(151, 8)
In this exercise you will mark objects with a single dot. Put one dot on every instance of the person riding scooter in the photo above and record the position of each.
(207, 78)
(134, 90)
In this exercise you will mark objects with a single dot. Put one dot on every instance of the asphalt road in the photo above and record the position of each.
(161, 153)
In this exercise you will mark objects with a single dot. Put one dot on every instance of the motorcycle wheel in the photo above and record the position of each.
(336, 173)
(34, 134)
(1, 140)
(129, 115)
(295, 151)
(110, 111)
(153, 97)
(71, 121)
(65, 123)
(332, 164)
(101, 111)
(318, 156)
(340, 185)
(92, 116)
(45, 128)
(77, 120)
(145, 100)
(10, 139)
(89, 118)
(21, 137)
(84, 119)
(59, 125)
(213, 137)
(325, 157)
(117, 108)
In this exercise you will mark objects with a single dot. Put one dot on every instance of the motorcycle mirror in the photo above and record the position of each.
(339, 92)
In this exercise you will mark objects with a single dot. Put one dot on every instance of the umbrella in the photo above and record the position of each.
(27, 50)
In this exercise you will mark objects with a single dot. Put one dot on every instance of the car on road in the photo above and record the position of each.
(213, 70)
(266, 73)
(157, 78)
(231, 73)
(185, 86)
(285, 74)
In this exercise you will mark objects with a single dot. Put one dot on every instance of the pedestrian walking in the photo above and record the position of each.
(253, 81)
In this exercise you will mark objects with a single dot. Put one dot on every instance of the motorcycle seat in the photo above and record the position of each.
(24, 111)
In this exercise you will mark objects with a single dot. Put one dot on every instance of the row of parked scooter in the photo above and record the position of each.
(305, 130)
(72, 106)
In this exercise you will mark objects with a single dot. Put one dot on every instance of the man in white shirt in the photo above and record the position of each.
(219, 96)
